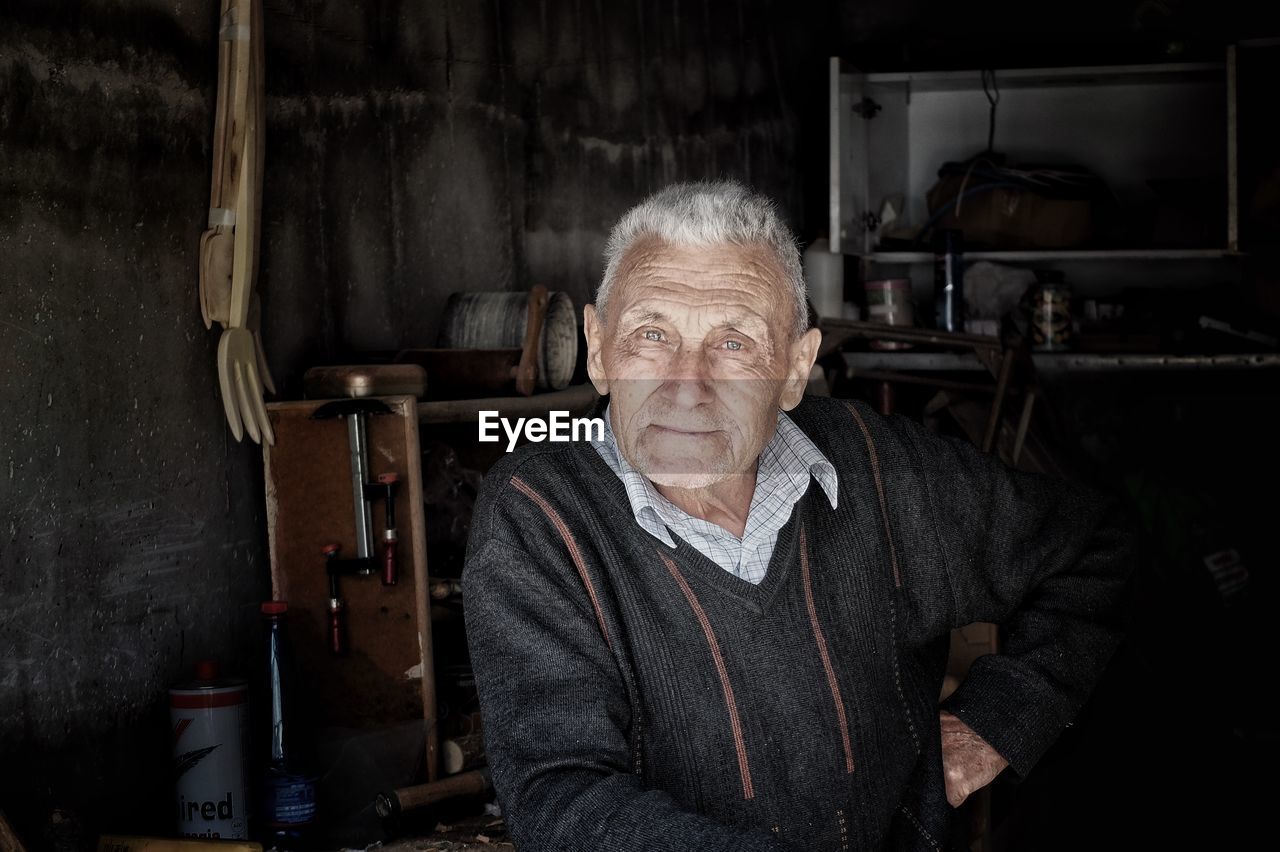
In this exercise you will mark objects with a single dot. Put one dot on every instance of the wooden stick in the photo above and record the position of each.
(910, 379)
(1024, 423)
(907, 334)
(421, 795)
(243, 260)
(9, 841)
(526, 373)
(221, 108)
(406, 406)
(259, 94)
(1002, 384)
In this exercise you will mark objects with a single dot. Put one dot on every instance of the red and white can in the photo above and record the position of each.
(210, 717)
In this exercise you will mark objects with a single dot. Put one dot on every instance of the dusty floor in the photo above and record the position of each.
(477, 834)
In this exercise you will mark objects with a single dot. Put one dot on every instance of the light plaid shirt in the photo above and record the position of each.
(782, 477)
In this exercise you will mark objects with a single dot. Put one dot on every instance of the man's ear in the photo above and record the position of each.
(594, 332)
(804, 352)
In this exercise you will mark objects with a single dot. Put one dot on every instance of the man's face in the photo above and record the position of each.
(697, 354)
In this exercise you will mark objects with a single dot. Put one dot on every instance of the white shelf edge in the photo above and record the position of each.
(924, 81)
(1041, 256)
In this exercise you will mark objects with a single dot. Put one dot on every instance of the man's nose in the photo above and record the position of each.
(688, 379)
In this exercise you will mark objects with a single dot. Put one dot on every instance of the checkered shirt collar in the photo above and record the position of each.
(782, 476)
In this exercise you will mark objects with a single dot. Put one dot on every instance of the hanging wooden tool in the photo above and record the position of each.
(229, 248)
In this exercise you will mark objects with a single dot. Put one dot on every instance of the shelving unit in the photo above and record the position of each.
(890, 133)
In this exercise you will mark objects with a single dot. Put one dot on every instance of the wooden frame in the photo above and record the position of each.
(387, 676)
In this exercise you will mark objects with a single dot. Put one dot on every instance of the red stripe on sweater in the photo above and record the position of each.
(822, 652)
(574, 553)
(744, 768)
(884, 504)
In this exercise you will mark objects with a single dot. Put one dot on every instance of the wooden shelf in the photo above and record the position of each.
(1050, 362)
(576, 399)
(1012, 78)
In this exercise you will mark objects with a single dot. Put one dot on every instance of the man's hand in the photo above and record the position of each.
(969, 763)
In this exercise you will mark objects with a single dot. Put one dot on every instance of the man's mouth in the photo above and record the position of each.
(683, 431)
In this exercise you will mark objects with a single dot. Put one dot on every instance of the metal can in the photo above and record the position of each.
(1051, 318)
(210, 756)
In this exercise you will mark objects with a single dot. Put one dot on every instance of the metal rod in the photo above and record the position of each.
(1024, 423)
(1002, 384)
(909, 379)
(908, 334)
(359, 442)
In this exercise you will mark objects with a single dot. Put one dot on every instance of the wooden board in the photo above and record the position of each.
(386, 677)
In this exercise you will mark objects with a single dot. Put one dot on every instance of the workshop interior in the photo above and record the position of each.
(268, 262)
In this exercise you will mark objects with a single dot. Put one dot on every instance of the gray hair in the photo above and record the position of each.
(703, 214)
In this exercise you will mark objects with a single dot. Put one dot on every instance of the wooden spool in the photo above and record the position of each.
(498, 321)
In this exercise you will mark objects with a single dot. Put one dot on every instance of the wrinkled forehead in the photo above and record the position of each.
(699, 281)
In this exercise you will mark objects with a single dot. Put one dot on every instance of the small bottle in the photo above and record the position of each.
(288, 780)
(1051, 312)
(948, 280)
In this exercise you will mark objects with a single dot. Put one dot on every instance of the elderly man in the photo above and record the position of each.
(724, 626)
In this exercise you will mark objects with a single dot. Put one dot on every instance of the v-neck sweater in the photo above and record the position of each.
(640, 698)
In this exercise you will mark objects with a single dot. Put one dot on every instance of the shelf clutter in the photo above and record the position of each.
(367, 650)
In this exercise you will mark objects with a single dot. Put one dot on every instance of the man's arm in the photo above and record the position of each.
(555, 717)
(1045, 559)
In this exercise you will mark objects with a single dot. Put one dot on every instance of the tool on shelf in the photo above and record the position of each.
(459, 373)
(337, 606)
(356, 412)
(390, 538)
(500, 319)
(386, 677)
(395, 802)
(359, 380)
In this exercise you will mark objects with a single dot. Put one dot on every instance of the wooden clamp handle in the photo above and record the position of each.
(421, 795)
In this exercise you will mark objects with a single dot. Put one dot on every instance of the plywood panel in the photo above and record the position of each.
(386, 675)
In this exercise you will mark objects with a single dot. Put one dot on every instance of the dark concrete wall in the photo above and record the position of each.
(131, 535)
(433, 147)
(414, 149)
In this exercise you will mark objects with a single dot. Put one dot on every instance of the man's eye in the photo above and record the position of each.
(733, 345)
(653, 334)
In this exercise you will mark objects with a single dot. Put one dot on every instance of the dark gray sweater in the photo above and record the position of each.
(637, 697)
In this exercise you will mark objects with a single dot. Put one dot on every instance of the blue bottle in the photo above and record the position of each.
(288, 788)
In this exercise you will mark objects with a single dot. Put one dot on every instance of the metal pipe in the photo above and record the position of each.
(358, 440)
